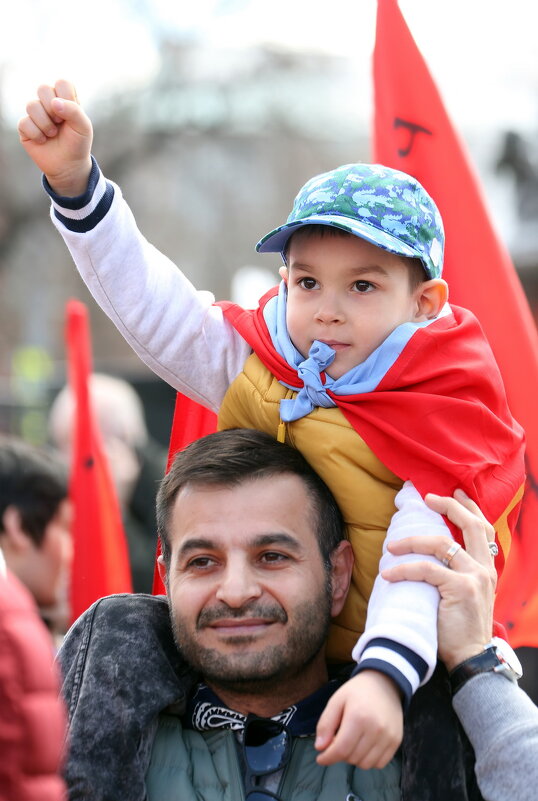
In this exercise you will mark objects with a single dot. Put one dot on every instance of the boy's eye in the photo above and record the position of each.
(363, 286)
(308, 283)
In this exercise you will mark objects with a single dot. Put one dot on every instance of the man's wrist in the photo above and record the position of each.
(456, 658)
(496, 657)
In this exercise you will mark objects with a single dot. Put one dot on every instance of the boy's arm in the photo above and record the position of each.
(174, 329)
(363, 721)
(400, 638)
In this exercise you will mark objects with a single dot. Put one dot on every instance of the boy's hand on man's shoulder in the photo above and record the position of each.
(362, 724)
(57, 135)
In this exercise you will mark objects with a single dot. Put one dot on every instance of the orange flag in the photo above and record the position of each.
(100, 560)
(191, 421)
(413, 132)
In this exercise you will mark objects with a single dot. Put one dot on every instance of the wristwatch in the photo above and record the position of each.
(497, 656)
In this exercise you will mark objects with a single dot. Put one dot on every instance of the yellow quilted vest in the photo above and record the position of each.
(363, 487)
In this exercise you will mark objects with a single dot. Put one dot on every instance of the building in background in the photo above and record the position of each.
(209, 156)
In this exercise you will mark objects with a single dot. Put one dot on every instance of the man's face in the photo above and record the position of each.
(346, 292)
(246, 582)
(46, 566)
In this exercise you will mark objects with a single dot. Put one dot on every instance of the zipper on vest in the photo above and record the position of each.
(281, 431)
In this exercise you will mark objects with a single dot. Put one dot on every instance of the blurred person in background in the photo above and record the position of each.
(137, 462)
(32, 719)
(35, 557)
(35, 520)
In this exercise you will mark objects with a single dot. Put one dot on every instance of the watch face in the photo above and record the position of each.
(509, 662)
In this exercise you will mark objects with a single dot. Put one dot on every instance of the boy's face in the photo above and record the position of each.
(348, 293)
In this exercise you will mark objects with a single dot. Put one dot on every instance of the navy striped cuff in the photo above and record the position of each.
(392, 672)
(81, 200)
(405, 667)
(82, 213)
(416, 661)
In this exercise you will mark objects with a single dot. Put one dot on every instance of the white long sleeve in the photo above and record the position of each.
(145, 295)
(400, 636)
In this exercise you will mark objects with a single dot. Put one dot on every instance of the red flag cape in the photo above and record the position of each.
(438, 417)
(191, 421)
(412, 132)
(100, 560)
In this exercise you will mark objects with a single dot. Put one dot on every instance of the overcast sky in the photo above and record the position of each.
(482, 52)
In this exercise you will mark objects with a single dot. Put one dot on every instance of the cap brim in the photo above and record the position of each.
(275, 241)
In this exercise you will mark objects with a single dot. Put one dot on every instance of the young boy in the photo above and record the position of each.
(356, 360)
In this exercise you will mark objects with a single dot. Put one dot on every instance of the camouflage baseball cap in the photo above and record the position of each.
(384, 206)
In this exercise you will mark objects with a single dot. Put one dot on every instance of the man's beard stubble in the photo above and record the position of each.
(260, 671)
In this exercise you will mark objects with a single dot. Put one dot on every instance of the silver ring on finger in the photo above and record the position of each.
(493, 549)
(449, 555)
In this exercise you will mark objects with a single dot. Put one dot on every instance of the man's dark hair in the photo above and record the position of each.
(229, 458)
(34, 482)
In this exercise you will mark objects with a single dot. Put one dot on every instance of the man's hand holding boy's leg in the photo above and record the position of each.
(57, 135)
(363, 722)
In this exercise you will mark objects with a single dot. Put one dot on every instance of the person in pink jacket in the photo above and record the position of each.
(32, 721)
(35, 554)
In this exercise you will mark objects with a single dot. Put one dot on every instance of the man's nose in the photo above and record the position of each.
(238, 584)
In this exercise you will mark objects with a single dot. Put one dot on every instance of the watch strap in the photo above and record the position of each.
(480, 663)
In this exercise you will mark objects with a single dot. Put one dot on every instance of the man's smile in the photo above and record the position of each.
(241, 626)
(241, 621)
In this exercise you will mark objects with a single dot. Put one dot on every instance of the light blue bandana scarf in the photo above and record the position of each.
(365, 377)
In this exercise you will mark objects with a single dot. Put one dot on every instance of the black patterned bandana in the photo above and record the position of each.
(206, 711)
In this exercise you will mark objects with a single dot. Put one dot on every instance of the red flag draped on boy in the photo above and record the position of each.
(100, 560)
(412, 132)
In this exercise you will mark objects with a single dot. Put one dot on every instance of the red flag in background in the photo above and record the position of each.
(191, 421)
(412, 132)
(100, 560)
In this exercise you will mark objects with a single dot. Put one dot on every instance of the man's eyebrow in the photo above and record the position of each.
(277, 538)
(196, 544)
(260, 541)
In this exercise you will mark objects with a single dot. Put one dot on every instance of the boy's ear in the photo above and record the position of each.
(431, 297)
(283, 273)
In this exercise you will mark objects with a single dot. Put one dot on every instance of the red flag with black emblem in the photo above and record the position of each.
(100, 559)
(413, 132)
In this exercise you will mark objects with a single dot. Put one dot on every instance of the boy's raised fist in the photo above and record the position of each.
(57, 135)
